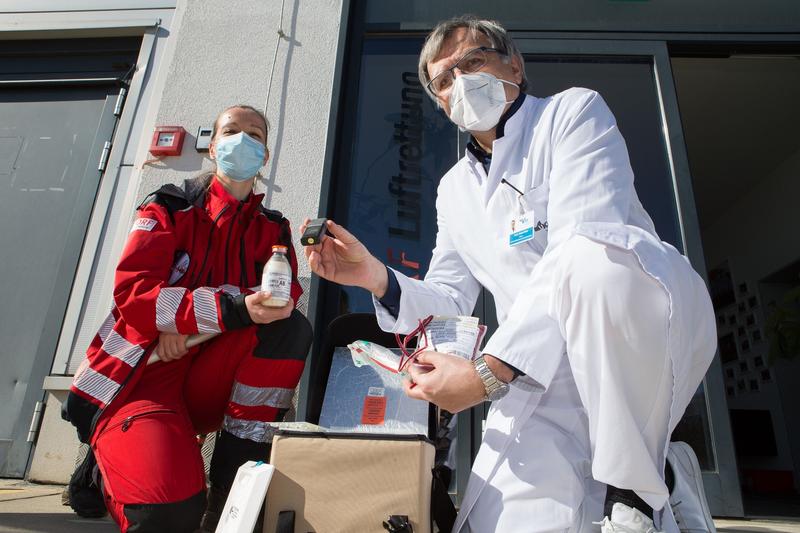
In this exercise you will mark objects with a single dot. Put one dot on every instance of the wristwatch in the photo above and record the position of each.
(495, 389)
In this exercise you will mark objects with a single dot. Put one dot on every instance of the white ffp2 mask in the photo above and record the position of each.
(477, 101)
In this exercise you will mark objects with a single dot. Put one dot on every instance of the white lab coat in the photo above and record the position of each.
(544, 447)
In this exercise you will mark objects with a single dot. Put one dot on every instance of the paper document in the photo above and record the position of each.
(459, 335)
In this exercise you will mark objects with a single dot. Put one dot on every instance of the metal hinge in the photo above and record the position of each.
(101, 166)
(123, 92)
(36, 422)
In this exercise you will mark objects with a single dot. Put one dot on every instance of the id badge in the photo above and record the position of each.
(521, 229)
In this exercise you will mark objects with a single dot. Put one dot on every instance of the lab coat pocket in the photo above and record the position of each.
(535, 200)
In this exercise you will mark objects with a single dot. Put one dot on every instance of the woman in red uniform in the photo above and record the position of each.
(192, 265)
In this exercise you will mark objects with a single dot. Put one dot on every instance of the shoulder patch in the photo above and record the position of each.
(144, 224)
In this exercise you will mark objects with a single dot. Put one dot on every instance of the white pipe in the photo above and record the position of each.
(191, 342)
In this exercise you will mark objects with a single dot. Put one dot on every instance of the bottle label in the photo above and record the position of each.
(279, 285)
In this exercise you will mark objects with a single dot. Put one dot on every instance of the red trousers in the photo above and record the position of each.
(146, 448)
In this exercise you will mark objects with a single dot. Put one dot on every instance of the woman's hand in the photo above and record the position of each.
(171, 346)
(341, 258)
(261, 314)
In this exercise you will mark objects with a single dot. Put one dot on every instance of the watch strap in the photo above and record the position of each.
(494, 388)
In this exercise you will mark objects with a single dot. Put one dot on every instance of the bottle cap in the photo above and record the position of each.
(279, 248)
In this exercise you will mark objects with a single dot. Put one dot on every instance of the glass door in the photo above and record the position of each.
(394, 146)
(635, 80)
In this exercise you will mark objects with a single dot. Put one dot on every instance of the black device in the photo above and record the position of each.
(314, 232)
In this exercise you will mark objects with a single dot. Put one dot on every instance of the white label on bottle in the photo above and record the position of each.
(279, 285)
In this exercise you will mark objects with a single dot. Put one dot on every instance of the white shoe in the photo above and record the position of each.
(626, 519)
(688, 498)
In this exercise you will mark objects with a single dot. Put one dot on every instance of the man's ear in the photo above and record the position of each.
(516, 69)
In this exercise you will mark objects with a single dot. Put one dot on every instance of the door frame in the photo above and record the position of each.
(103, 200)
(18, 456)
(53, 350)
(722, 483)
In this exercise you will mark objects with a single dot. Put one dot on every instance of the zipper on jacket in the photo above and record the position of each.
(243, 279)
(208, 248)
(125, 425)
(228, 241)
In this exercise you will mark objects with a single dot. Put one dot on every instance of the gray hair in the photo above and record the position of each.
(491, 29)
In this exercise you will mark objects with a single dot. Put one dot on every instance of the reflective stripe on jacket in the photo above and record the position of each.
(192, 255)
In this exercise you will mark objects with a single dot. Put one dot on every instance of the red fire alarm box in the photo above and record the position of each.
(167, 140)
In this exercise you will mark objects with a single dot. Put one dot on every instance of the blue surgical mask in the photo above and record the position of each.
(239, 156)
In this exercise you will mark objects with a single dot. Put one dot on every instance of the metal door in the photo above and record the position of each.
(635, 79)
(52, 138)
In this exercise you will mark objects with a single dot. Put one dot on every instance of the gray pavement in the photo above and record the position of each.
(31, 508)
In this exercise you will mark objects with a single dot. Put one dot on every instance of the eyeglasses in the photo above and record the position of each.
(418, 338)
(472, 61)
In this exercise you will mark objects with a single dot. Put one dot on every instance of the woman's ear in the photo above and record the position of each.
(212, 149)
(266, 155)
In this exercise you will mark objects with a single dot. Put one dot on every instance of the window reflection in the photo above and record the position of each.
(401, 147)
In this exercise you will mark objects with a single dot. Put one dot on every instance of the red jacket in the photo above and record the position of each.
(191, 257)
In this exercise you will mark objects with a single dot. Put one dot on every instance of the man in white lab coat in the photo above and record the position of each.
(605, 331)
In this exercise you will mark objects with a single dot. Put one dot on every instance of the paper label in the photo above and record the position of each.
(456, 335)
(279, 285)
(374, 412)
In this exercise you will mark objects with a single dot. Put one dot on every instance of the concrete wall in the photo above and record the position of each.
(57, 445)
(221, 53)
(758, 236)
(226, 56)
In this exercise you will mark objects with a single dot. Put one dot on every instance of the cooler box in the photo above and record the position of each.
(337, 482)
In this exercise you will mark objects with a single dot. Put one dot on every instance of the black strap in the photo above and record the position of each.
(398, 523)
(442, 508)
(285, 522)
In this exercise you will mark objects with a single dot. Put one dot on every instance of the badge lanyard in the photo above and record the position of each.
(521, 225)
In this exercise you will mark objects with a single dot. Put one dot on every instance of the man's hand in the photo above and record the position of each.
(171, 346)
(261, 314)
(341, 258)
(452, 383)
